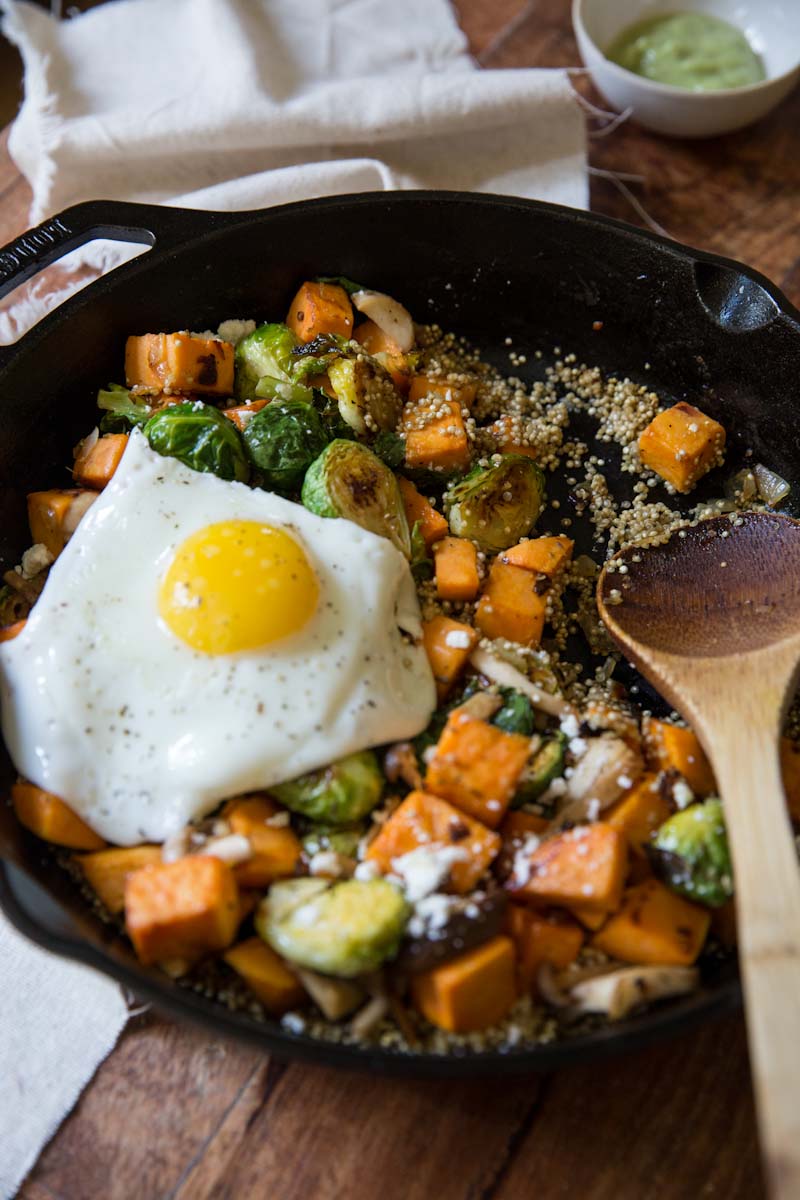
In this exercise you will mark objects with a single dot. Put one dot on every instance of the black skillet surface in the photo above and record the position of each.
(686, 323)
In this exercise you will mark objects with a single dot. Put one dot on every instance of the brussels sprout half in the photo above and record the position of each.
(368, 400)
(200, 437)
(690, 853)
(282, 440)
(121, 410)
(339, 794)
(344, 930)
(264, 363)
(496, 506)
(348, 480)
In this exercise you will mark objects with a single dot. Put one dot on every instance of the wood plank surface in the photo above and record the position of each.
(174, 1115)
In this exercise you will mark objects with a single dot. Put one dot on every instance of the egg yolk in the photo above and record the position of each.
(237, 585)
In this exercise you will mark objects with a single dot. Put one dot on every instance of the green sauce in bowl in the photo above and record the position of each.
(689, 50)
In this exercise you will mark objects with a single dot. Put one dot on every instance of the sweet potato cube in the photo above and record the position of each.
(510, 607)
(266, 974)
(456, 568)
(432, 524)
(425, 820)
(179, 362)
(790, 769)
(476, 767)
(680, 444)
(386, 350)
(470, 992)
(436, 436)
(240, 414)
(423, 386)
(674, 748)
(593, 919)
(320, 308)
(541, 938)
(9, 632)
(639, 813)
(95, 466)
(51, 819)
(53, 516)
(276, 849)
(448, 644)
(584, 866)
(107, 870)
(544, 555)
(654, 925)
(508, 437)
(516, 828)
(181, 910)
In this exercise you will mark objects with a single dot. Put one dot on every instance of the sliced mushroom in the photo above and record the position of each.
(371, 1015)
(608, 768)
(335, 998)
(620, 992)
(400, 762)
(482, 706)
(388, 314)
(505, 675)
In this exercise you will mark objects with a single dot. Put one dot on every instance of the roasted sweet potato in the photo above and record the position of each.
(673, 748)
(9, 632)
(654, 925)
(107, 870)
(436, 436)
(680, 444)
(470, 992)
(320, 308)
(179, 362)
(266, 974)
(432, 524)
(544, 555)
(51, 819)
(378, 343)
(541, 938)
(276, 849)
(181, 910)
(584, 867)
(476, 766)
(639, 813)
(448, 644)
(511, 607)
(95, 465)
(425, 820)
(54, 515)
(456, 566)
(508, 439)
(462, 391)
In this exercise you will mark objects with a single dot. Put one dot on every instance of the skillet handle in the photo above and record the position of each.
(145, 224)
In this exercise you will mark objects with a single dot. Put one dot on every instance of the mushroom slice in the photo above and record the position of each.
(389, 315)
(482, 706)
(505, 675)
(620, 992)
(606, 770)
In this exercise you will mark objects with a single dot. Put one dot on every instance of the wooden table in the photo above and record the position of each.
(175, 1114)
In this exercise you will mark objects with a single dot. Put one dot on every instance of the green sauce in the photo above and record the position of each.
(689, 50)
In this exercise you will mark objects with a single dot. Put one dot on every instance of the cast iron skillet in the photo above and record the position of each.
(488, 267)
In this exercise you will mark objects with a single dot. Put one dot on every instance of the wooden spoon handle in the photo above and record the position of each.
(767, 881)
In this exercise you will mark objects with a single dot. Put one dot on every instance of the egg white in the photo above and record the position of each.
(137, 732)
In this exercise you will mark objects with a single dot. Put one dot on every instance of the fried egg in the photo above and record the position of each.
(197, 639)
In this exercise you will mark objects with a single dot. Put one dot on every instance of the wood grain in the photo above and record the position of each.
(174, 1116)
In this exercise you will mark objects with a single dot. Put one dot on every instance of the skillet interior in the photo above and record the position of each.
(485, 267)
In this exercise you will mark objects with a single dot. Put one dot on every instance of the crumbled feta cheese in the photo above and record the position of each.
(365, 871)
(326, 862)
(422, 870)
(682, 794)
(278, 820)
(458, 639)
(624, 781)
(430, 915)
(593, 810)
(293, 1022)
(234, 330)
(521, 869)
(570, 726)
(577, 746)
(35, 560)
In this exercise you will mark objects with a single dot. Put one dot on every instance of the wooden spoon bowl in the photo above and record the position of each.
(712, 619)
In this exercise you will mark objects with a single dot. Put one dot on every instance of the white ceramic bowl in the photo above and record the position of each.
(771, 26)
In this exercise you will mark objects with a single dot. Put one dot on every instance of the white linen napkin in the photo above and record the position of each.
(233, 104)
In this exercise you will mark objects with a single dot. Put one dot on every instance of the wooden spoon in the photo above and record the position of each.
(712, 619)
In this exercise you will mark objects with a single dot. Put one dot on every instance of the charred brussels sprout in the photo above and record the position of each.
(345, 930)
(200, 437)
(496, 506)
(690, 853)
(348, 480)
(339, 794)
(368, 400)
(264, 365)
(326, 837)
(282, 441)
(544, 766)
